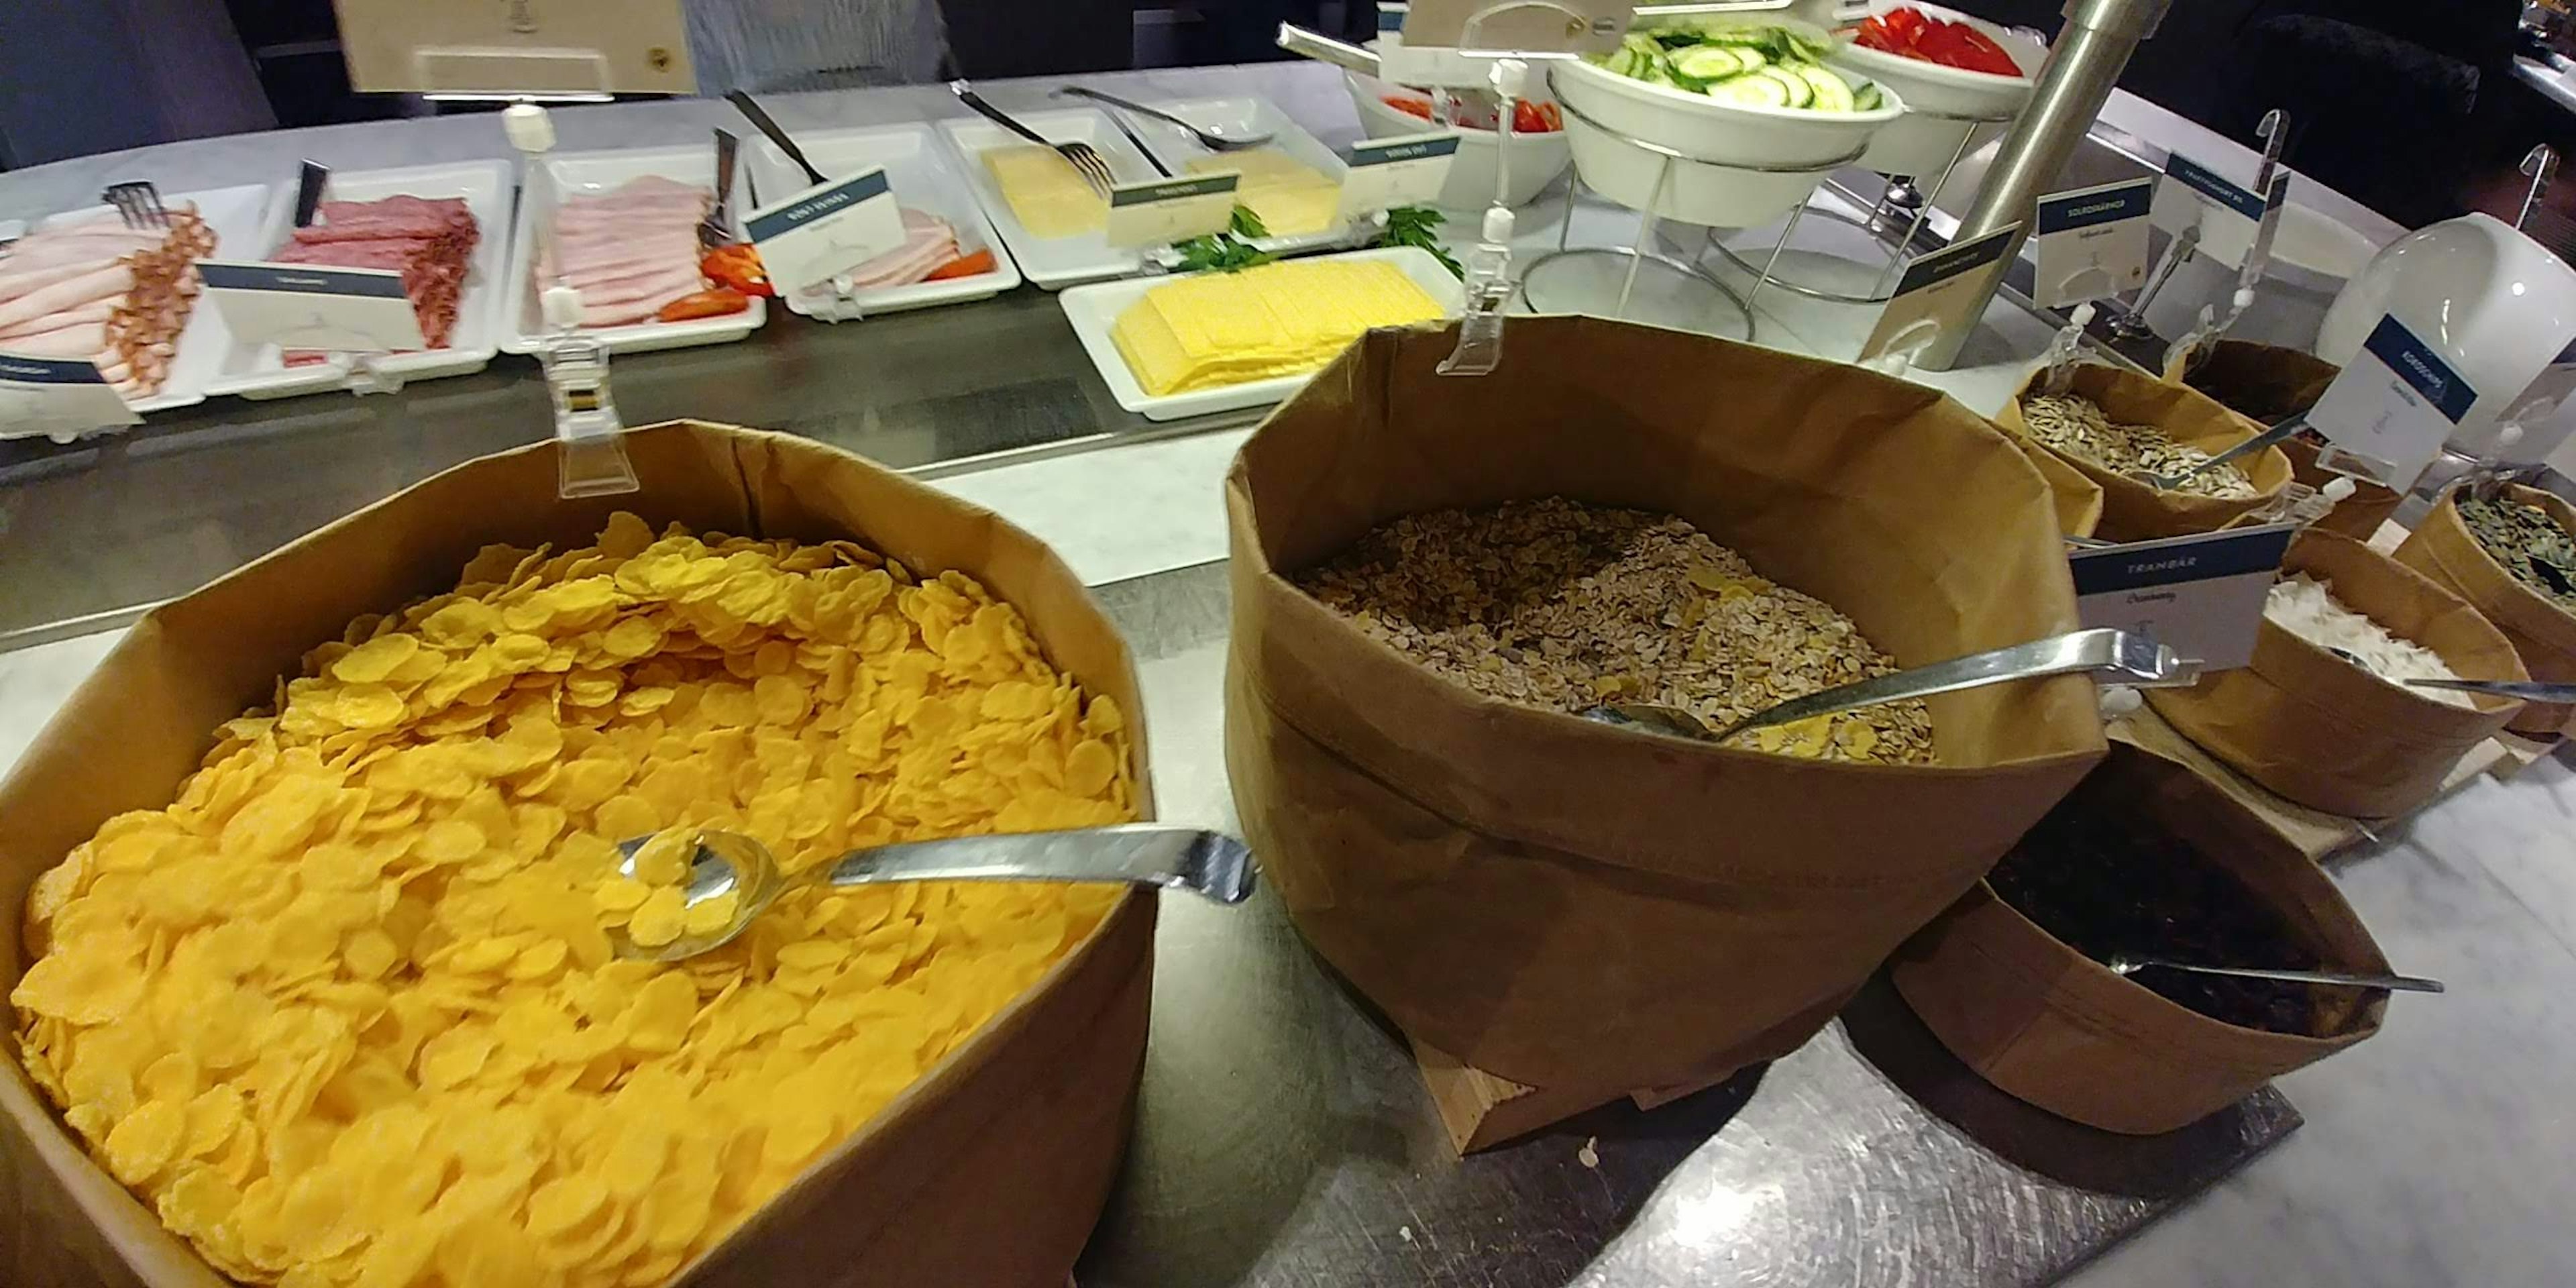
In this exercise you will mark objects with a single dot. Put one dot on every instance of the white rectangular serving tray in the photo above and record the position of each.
(261, 371)
(1093, 310)
(1244, 116)
(523, 328)
(922, 177)
(235, 215)
(1052, 263)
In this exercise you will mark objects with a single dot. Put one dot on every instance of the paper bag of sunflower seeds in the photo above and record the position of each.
(990, 1169)
(1567, 904)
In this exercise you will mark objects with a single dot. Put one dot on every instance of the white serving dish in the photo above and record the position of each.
(2495, 304)
(1537, 159)
(235, 215)
(1922, 141)
(923, 179)
(1746, 165)
(1051, 262)
(260, 371)
(1244, 115)
(523, 328)
(1093, 310)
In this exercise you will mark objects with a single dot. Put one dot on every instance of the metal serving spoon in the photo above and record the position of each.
(2278, 432)
(2527, 690)
(2103, 653)
(1175, 858)
(1207, 138)
(2409, 983)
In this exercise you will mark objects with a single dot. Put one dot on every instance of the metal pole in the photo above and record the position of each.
(2082, 70)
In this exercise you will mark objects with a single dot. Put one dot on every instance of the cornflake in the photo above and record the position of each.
(346, 1013)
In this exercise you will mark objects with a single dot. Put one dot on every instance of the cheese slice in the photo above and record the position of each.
(1209, 330)
(1292, 198)
(1046, 194)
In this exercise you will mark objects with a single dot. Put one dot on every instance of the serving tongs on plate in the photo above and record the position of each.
(2107, 655)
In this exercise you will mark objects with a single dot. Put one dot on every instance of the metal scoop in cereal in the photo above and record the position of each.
(694, 890)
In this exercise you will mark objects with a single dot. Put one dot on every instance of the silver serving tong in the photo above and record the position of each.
(311, 180)
(1086, 160)
(138, 203)
(1174, 858)
(1212, 140)
(2126, 966)
(2526, 690)
(761, 121)
(2279, 431)
(717, 228)
(2102, 653)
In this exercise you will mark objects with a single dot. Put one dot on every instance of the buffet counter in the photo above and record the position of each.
(1283, 1134)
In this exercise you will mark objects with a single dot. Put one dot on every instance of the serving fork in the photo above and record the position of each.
(138, 203)
(1086, 160)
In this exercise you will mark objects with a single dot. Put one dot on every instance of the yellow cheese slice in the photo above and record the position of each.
(1292, 198)
(1046, 194)
(1214, 329)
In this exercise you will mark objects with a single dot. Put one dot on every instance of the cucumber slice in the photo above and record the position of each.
(1832, 95)
(1799, 93)
(1754, 89)
(1867, 98)
(1808, 47)
(1737, 36)
(1708, 62)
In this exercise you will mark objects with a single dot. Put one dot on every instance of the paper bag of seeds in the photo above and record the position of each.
(2131, 510)
(2265, 382)
(1568, 904)
(2321, 731)
(2057, 1028)
(2541, 624)
(990, 1169)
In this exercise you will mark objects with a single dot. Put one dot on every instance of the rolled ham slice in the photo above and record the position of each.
(629, 250)
(106, 283)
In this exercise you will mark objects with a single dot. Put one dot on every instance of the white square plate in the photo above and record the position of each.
(235, 215)
(1051, 262)
(523, 328)
(1093, 310)
(922, 178)
(261, 372)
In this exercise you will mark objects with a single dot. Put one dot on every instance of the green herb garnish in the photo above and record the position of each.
(1419, 226)
(1226, 252)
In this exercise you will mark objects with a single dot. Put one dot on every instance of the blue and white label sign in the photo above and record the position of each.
(2220, 191)
(301, 306)
(1402, 171)
(2201, 596)
(816, 235)
(57, 398)
(2389, 412)
(2092, 243)
(1160, 211)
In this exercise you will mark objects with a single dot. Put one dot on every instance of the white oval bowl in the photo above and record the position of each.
(1537, 159)
(1921, 144)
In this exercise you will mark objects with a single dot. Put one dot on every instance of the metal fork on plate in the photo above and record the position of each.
(138, 204)
(1087, 161)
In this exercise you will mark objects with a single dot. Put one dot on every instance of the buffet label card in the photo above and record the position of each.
(1405, 170)
(826, 230)
(1160, 211)
(2092, 242)
(1932, 287)
(2201, 596)
(57, 398)
(296, 306)
(2388, 414)
(2224, 193)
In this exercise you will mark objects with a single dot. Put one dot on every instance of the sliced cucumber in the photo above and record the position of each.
(1754, 89)
(1832, 94)
(1867, 98)
(1709, 62)
(1801, 94)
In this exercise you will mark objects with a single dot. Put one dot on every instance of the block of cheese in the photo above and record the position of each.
(1213, 329)
(1047, 195)
(1292, 198)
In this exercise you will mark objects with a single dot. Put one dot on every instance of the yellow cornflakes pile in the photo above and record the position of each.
(346, 1013)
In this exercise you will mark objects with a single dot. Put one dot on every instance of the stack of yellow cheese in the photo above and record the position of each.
(1214, 329)
(1291, 198)
(1046, 194)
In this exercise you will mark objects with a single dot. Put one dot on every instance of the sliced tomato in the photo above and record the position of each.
(704, 304)
(1409, 106)
(738, 268)
(980, 262)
